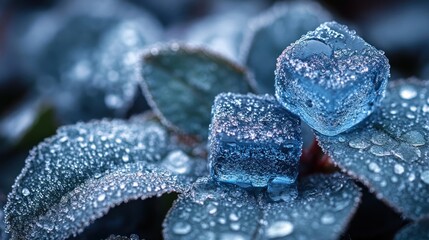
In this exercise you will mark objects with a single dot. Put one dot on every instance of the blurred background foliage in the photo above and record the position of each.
(36, 96)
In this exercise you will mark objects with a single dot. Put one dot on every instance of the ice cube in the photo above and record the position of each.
(331, 78)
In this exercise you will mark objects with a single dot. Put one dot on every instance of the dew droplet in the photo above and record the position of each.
(424, 176)
(125, 158)
(414, 138)
(359, 144)
(233, 217)
(328, 218)
(279, 229)
(25, 192)
(408, 92)
(101, 197)
(182, 228)
(235, 226)
(398, 169)
(374, 167)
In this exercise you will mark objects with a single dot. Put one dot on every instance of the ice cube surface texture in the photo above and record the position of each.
(331, 78)
(253, 141)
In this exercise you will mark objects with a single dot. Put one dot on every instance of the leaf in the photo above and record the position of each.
(417, 230)
(322, 210)
(324, 207)
(212, 211)
(180, 83)
(274, 30)
(389, 151)
(76, 176)
(88, 68)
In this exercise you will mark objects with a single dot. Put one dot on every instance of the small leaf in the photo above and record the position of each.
(389, 150)
(76, 176)
(212, 211)
(273, 31)
(180, 83)
(417, 230)
(324, 207)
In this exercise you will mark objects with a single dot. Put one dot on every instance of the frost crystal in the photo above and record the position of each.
(331, 78)
(253, 141)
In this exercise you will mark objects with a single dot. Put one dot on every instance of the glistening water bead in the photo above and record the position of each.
(331, 78)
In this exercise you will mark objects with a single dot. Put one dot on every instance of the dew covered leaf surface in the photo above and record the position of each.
(274, 30)
(181, 82)
(389, 151)
(323, 209)
(417, 230)
(212, 211)
(119, 237)
(76, 176)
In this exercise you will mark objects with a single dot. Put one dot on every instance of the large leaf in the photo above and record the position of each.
(417, 230)
(213, 211)
(322, 210)
(389, 151)
(76, 176)
(180, 83)
(271, 32)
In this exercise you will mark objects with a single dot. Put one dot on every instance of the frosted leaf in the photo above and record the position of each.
(272, 31)
(416, 230)
(3, 235)
(84, 170)
(331, 78)
(212, 211)
(118, 237)
(89, 66)
(180, 83)
(389, 151)
(254, 142)
(324, 206)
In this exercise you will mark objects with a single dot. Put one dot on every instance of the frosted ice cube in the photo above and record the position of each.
(331, 78)
(253, 141)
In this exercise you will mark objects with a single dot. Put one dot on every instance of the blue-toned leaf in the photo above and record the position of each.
(76, 176)
(271, 32)
(324, 207)
(212, 211)
(88, 68)
(389, 151)
(417, 230)
(322, 210)
(180, 83)
(226, 27)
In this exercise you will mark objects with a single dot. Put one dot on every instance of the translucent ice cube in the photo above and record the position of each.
(331, 78)
(253, 142)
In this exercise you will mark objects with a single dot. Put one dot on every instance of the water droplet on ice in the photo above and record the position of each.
(25, 192)
(279, 229)
(181, 228)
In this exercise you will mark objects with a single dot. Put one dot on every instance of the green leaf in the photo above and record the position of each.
(76, 176)
(389, 151)
(322, 210)
(417, 230)
(180, 83)
(271, 32)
